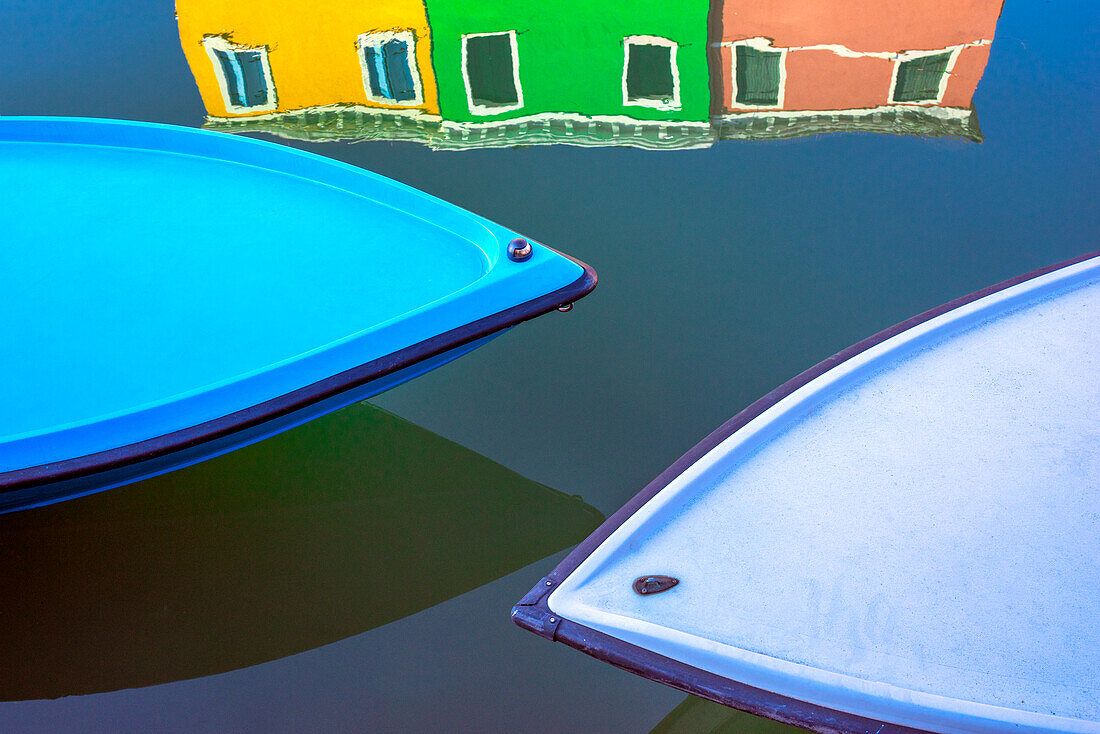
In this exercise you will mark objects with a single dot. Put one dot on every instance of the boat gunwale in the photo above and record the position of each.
(113, 459)
(533, 612)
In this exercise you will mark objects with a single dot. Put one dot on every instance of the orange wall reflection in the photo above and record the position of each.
(847, 54)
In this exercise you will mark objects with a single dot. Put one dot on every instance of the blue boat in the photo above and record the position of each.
(172, 294)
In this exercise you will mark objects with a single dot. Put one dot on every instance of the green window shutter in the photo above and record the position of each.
(231, 75)
(375, 73)
(398, 76)
(757, 74)
(489, 69)
(919, 79)
(255, 84)
(649, 73)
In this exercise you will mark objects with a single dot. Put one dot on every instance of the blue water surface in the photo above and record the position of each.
(724, 271)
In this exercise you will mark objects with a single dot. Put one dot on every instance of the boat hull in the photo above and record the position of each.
(87, 475)
(177, 293)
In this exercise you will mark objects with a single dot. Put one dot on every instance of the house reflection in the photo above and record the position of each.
(251, 57)
(798, 67)
(641, 73)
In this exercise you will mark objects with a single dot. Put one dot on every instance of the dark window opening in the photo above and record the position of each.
(649, 73)
(919, 79)
(757, 74)
(489, 68)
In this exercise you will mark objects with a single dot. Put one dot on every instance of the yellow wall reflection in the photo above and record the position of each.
(257, 57)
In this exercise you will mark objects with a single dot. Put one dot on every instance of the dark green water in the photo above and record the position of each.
(357, 573)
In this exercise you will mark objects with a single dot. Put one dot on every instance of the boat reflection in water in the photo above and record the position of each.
(700, 716)
(336, 527)
(460, 74)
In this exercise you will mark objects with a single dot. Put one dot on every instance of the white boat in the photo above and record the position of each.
(904, 537)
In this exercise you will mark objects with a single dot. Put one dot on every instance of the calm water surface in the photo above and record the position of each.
(356, 574)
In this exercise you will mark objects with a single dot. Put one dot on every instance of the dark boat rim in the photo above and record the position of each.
(533, 613)
(136, 453)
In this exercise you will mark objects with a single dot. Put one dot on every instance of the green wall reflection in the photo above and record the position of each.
(344, 524)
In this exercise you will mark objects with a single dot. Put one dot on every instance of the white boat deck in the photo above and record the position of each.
(914, 537)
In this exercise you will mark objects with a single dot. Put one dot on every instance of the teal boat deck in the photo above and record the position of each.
(160, 278)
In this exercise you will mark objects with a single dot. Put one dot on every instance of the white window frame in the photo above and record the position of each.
(674, 102)
(758, 44)
(212, 43)
(376, 39)
(913, 56)
(479, 109)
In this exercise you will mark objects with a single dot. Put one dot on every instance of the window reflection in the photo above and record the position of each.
(650, 75)
(490, 70)
(390, 75)
(455, 74)
(244, 76)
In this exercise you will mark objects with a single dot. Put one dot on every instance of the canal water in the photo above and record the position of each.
(356, 574)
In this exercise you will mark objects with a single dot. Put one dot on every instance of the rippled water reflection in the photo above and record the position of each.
(296, 586)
